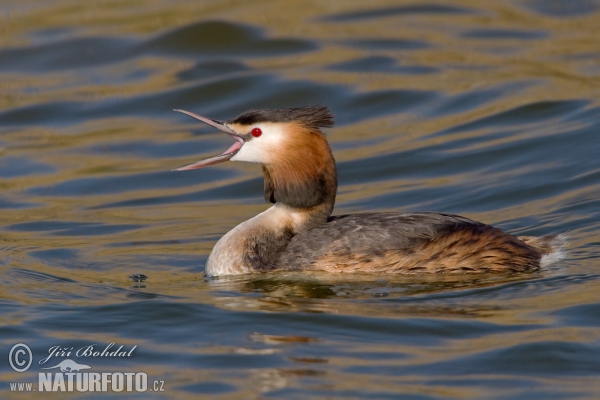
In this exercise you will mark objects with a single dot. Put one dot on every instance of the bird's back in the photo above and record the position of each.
(408, 243)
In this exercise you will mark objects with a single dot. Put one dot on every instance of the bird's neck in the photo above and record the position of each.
(304, 179)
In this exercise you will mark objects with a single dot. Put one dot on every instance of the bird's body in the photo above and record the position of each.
(408, 243)
(298, 233)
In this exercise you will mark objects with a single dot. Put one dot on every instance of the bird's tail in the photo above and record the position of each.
(551, 247)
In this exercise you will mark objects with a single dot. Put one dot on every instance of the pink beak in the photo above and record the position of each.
(230, 152)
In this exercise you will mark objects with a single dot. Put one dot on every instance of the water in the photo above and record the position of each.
(489, 110)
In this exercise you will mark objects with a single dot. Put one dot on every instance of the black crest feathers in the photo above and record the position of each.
(316, 116)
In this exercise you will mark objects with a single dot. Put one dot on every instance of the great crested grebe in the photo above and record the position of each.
(298, 233)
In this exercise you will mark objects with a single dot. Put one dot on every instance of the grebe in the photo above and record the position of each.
(298, 233)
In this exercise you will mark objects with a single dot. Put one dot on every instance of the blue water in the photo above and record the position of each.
(488, 110)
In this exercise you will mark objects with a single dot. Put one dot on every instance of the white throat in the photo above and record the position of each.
(230, 254)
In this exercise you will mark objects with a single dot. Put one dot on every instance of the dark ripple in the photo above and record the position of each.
(525, 114)
(563, 8)
(398, 11)
(128, 183)
(212, 68)
(585, 204)
(500, 34)
(249, 191)
(63, 228)
(380, 64)
(545, 358)
(337, 392)
(141, 318)
(380, 103)
(53, 113)
(212, 388)
(470, 100)
(223, 38)
(387, 44)
(11, 167)
(57, 257)
(7, 204)
(587, 315)
(38, 276)
(65, 54)
(554, 358)
(280, 93)
(157, 150)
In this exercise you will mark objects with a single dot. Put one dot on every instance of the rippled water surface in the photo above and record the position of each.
(486, 109)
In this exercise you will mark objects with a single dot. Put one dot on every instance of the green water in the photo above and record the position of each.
(485, 109)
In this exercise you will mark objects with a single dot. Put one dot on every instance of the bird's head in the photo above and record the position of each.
(297, 162)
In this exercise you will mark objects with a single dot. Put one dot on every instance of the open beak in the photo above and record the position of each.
(230, 152)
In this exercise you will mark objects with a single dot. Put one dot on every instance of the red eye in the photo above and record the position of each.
(256, 132)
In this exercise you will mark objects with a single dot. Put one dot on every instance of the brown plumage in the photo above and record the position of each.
(297, 232)
(301, 176)
(408, 243)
